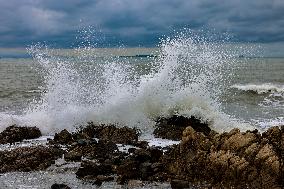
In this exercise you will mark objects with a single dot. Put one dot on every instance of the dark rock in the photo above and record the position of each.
(123, 135)
(15, 133)
(60, 186)
(90, 168)
(145, 170)
(172, 128)
(104, 178)
(74, 155)
(141, 144)
(179, 184)
(141, 155)
(28, 158)
(155, 154)
(131, 150)
(128, 170)
(97, 182)
(64, 137)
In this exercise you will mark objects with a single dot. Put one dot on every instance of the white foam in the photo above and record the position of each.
(261, 88)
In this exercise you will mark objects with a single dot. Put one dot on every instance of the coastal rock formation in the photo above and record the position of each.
(118, 135)
(16, 133)
(28, 158)
(204, 157)
(172, 128)
(234, 159)
(123, 135)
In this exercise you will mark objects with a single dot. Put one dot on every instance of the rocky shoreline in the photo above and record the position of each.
(203, 158)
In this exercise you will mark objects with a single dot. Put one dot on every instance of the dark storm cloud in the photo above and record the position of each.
(137, 22)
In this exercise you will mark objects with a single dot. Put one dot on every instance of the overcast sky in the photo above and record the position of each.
(136, 22)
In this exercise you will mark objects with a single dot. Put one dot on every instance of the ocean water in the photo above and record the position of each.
(226, 85)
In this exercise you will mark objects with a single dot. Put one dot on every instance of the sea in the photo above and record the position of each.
(227, 85)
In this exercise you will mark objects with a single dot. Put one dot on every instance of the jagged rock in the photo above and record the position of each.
(172, 128)
(60, 186)
(28, 158)
(234, 159)
(118, 135)
(15, 133)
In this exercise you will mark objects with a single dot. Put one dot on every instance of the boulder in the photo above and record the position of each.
(63, 137)
(15, 133)
(172, 128)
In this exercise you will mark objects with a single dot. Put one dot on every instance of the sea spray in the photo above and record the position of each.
(183, 79)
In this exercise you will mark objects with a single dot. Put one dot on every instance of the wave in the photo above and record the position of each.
(261, 88)
(183, 80)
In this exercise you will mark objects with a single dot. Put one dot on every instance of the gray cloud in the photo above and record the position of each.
(137, 22)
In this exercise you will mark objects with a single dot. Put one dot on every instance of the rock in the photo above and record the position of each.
(60, 186)
(141, 144)
(230, 159)
(238, 140)
(113, 133)
(15, 133)
(172, 128)
(179, 184)
(104, 178)
(28, 158)
(128, 170)
(117, 135)
(63, 137)
(74, 155)
(93, 169)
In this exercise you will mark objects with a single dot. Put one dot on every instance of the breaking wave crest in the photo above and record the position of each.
(183, 79)
(261, 88)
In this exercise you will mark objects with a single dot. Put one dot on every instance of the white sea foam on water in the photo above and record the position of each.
(184, 81)
(261, 88)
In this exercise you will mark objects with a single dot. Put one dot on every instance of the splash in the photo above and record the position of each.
(182, 79)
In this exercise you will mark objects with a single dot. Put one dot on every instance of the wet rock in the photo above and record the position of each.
(93, 169)
(60, 186)
(100, 150)
(172, 128)
(63, 137)
(239, 140)
(113, 133)
(74, 155)
(230, 159)
(141, 144)
(128, 170)
(179, 184)
(28, 158)
(117, 135)
(15, 133)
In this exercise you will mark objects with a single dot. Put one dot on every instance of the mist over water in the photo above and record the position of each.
(185, 76)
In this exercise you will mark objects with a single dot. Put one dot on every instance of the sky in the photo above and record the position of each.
(136, 22)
